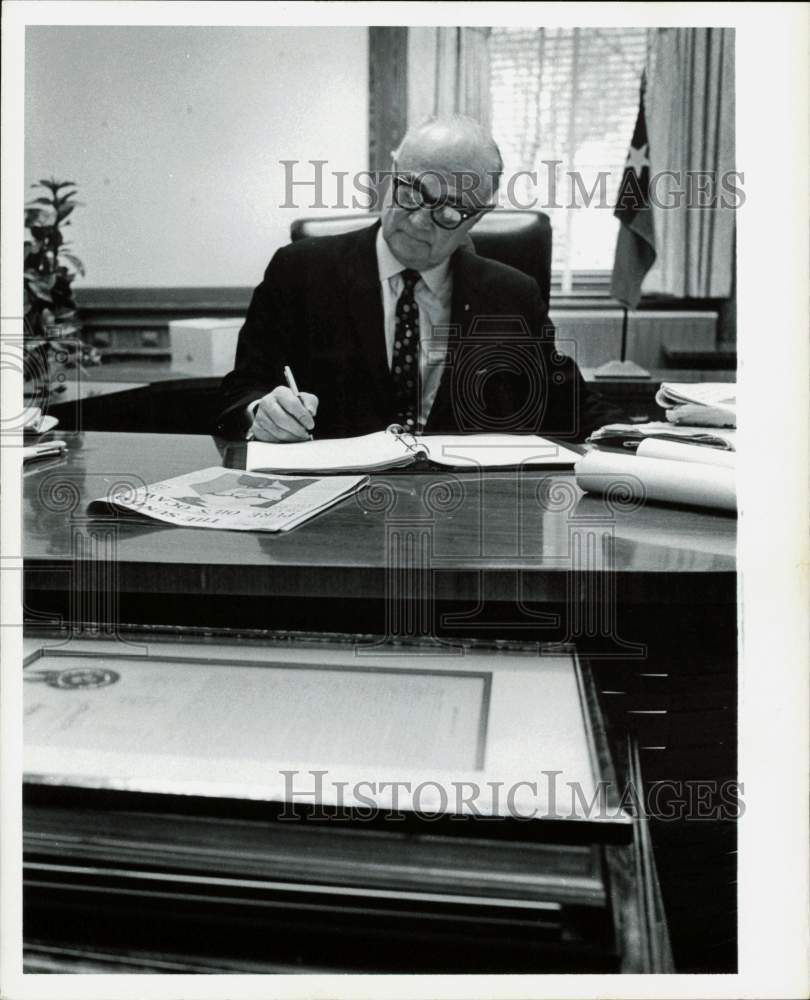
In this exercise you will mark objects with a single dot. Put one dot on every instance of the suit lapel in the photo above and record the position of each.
(366, 307)
(466, 292)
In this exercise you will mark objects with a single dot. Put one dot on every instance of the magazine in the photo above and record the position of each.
(231, 499)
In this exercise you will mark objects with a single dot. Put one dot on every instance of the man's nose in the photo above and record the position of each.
(420, 219)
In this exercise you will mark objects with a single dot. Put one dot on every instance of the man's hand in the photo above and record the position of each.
(280, 417)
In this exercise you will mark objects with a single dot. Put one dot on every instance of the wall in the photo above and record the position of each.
(173, 136)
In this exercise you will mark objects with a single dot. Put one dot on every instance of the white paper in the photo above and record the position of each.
(382, 450)
(711, 404)
(714, 394)
(657, 479)
(489, 451)
(681, 451)
(268, 712)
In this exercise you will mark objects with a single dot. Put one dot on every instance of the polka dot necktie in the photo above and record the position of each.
(405, 356)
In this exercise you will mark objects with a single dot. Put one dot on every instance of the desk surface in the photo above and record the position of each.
(500, 536)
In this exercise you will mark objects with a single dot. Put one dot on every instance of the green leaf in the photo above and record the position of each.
(63, 213)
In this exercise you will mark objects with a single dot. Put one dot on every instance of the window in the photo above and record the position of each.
(569, 95)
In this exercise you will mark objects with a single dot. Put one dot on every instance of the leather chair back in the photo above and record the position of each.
(521, 239)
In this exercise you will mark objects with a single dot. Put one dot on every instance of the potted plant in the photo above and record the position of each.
(51, 326)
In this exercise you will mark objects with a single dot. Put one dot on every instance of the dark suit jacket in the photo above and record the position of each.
(319, 309)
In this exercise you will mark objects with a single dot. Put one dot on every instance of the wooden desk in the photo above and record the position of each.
(494, 536)
(647, 594)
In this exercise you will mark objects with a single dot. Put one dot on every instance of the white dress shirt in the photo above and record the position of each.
(433, 294)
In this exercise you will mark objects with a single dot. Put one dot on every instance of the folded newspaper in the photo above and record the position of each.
(629, 436)
(230, 499)
(707, 404)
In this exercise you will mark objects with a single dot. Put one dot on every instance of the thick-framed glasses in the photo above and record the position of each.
(410, 194)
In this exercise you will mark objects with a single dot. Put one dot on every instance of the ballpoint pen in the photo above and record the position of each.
(290, 379)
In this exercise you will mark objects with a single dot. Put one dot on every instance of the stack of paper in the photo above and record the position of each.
(707, 404)
(688, 459)
(630, 436)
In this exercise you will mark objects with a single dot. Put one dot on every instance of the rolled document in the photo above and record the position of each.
(678, 451)
(629, 476)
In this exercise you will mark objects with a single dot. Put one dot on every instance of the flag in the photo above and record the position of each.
(635, 246)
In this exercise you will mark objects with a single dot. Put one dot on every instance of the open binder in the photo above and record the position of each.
(394, 448)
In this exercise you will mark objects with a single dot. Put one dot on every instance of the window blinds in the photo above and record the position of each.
(568, 95)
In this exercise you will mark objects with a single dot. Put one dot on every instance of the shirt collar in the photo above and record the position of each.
(388, 267)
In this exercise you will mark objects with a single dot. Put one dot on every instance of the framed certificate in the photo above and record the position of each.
(477, 731)
(473, 788)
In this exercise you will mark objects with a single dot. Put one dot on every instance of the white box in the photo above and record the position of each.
(203, 346)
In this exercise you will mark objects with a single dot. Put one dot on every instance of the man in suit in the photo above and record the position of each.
(403, 323)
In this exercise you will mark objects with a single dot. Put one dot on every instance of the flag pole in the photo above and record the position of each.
(635, 244)
(624, 335)
(622, 368)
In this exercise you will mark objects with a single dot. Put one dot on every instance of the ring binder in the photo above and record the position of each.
(403, 435)
(395, 447)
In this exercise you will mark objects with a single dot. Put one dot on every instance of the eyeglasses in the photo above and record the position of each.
(409, 194)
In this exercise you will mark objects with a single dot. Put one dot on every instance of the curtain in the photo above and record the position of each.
(448, 73)
(690, 121)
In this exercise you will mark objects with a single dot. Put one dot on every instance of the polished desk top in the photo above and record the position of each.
(500, 535)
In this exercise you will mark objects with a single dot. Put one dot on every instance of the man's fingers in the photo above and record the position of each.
(265, 430)
(310, 401)
(292, 407)
(280, 416)
(275, 423)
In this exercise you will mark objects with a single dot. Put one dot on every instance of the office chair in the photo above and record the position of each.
(521, 239)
